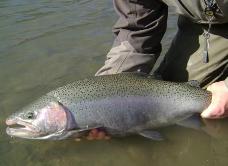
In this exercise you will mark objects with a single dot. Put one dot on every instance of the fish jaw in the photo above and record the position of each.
(50, 122)
(24, 129)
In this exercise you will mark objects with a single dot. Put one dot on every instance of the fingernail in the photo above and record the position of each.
(107, 137)
(77, 139)
(90, 138)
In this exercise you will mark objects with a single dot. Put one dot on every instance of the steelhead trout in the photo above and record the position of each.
(121, 104)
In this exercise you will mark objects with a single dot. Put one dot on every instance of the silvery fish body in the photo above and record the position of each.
(121, 104)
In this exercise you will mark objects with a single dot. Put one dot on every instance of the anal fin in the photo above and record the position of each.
(193, 122)
(151, 134)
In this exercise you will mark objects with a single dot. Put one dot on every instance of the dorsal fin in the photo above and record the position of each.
(136, 73)
(154, 76)
(139, 73)
(194, 83)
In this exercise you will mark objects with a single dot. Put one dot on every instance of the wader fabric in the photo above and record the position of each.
(139, 31)
(184, 59)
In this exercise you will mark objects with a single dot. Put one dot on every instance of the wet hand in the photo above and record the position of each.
(96, 134)
(219, 104)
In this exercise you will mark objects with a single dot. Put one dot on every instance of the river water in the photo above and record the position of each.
(45, 44)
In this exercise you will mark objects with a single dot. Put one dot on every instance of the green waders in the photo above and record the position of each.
(139, 31)
(184, 59)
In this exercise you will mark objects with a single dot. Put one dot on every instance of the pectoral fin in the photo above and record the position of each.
(154, 135)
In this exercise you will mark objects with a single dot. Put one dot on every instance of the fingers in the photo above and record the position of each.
(213, 112)
(96, 134)
(219, 103)
(77, 139)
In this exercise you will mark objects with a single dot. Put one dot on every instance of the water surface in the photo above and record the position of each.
(45, 44)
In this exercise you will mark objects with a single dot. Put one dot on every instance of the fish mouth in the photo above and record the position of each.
(21, 128)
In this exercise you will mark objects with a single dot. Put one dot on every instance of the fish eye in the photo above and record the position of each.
(30, 115)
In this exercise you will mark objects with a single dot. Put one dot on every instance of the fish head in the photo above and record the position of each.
(39, 121)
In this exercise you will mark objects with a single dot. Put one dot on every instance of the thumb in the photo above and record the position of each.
(208, 113)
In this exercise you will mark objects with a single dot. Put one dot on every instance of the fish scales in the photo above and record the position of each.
(122, 101)
(126, 103)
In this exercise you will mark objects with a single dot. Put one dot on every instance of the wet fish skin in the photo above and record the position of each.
(122, 104)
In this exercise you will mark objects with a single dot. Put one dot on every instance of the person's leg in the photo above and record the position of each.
(184, 60)
(138, 31)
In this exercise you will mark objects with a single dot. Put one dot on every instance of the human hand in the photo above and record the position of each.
(219, 103)
(96, 134)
